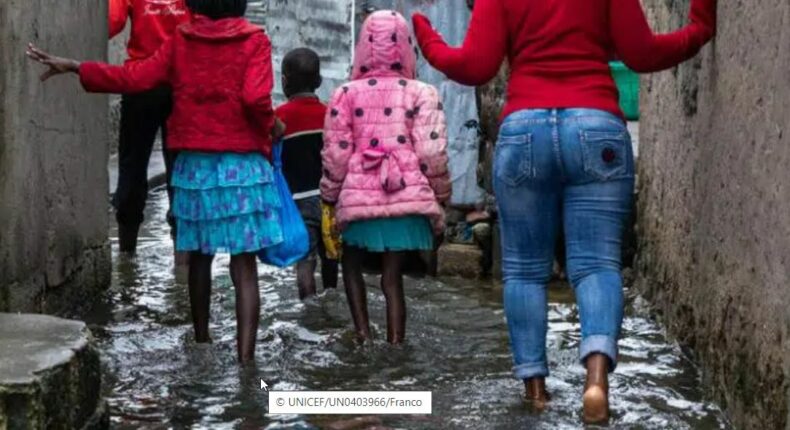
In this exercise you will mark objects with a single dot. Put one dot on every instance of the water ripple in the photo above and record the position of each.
(156, 377)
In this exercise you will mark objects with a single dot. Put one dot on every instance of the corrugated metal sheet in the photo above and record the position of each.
(328, 26)
(325, 26)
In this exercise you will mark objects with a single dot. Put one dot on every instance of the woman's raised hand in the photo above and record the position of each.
(57, 65)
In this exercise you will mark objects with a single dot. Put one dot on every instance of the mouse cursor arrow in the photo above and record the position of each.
(264, 386)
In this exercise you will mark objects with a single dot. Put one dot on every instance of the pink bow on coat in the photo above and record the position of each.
(388, 164)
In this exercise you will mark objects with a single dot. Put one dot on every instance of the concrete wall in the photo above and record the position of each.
(715, 205)
(116, 54)
(53, 160)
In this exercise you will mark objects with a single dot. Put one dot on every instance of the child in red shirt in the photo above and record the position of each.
(303, 116)
(220, 69)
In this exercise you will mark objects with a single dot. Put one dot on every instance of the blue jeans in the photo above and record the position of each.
(575, 167)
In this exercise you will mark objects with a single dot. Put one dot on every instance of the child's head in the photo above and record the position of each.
(385, 47)
(218, 9)
(301, 72)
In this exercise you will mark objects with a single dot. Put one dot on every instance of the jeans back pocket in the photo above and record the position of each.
(606, 154)
(513, 159)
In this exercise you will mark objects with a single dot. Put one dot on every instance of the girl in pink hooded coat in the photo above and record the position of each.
(385, 164)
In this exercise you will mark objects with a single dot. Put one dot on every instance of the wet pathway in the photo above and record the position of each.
(457, 348)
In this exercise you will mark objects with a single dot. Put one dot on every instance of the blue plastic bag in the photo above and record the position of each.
(296, 243)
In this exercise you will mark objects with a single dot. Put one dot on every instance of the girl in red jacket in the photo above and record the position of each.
(220, 69)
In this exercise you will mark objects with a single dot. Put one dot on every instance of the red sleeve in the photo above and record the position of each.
(282, 113)
(119, 13)
(645, 52)
(258, 84)
(133, 77)
(478, 60)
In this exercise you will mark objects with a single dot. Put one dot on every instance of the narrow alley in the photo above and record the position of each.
(445, 161)
(155, 377)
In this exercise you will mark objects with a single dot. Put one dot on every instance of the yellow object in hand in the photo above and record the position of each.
(333, 244)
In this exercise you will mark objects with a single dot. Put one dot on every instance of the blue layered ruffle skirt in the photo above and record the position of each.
(225, 203)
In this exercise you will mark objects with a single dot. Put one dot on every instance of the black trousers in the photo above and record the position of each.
(143, 115)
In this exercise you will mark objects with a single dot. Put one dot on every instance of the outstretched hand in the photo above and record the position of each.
(57, 65)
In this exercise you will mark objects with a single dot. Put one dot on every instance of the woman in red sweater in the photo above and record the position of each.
(143, 114)
(220, 69)
(563, 153)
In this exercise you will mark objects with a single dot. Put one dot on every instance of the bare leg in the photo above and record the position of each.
(244, 273)
(392, 285)
(355, 290)
(329, 273)
(305, 278)
(200, 294)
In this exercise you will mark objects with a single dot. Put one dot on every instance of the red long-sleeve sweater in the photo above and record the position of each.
(153, 22)
(558, 50)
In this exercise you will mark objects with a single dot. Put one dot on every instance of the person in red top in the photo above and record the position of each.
(564, 155)
(220, 69)
(143, 114)
(558, 51)
(303, 116)
(153, 22)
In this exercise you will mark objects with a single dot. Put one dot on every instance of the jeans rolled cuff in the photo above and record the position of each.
(531, 370)
(599, 344)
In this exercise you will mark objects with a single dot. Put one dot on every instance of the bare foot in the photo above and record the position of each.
(536, 394)
(596, 405)
(596, 390)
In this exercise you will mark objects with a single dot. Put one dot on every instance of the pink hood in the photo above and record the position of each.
(385, 137)
(385, 48)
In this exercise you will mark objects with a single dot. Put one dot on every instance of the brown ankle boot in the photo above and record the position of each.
(536, 393)
(127, 238)
(596, 390)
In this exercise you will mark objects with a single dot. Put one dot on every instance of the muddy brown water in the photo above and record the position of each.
(155, 377)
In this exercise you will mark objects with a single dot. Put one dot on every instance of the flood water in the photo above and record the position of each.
(155, 377)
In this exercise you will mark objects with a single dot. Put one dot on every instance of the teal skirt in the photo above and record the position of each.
(409, 233)
(225, 202)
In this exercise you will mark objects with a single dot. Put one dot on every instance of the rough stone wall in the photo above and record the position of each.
(53, 159)
(490, 100)
(714, 205)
